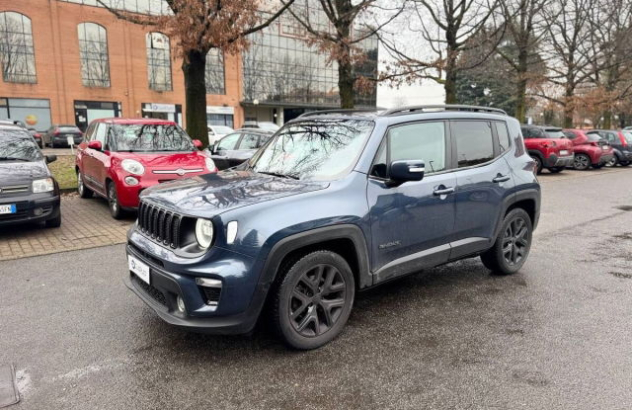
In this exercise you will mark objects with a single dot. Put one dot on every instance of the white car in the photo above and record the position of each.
(215, 132)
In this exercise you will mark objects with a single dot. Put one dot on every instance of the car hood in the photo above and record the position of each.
(13, 171)
(166, 160)
(212, 194)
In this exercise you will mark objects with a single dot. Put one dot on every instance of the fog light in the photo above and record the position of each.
(181, 306)
(38, 211)
(131, 181)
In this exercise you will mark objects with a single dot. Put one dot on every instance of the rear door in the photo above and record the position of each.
(483, 179)
(224, 149)
(412, 224)
(248, 144)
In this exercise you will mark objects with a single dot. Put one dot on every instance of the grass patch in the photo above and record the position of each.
(64, 171)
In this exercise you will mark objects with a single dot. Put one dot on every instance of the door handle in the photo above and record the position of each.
(443, 191)
(501, 178)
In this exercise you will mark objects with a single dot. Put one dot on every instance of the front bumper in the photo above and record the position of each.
(63, 141)
(31, 209)
(240, 302)
(554, 161)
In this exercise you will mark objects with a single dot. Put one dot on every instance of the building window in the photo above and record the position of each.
(16, 48)
(158, 62)
(215, 81)
(93, 50)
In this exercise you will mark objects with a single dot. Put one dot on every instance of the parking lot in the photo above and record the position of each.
(555, 335)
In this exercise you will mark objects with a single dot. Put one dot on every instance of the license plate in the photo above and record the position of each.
(563, 152)
(604, 147)
(139, 268)
(7, 209)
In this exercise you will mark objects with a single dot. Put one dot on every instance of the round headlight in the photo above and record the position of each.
(133, 167)
(204, 233)
(210, 165)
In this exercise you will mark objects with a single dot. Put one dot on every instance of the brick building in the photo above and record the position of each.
(70, 61)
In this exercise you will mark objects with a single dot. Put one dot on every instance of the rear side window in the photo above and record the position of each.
(570, 135)
(420, 141)
(503, 136)
(474, 142)
(249, 141)
(593, 137)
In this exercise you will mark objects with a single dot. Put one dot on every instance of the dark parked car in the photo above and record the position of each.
(28, 192)
(235, 148)
(57, 136)
(335, 203)
(621, 143)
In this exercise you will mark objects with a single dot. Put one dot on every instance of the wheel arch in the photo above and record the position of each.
(347, 240)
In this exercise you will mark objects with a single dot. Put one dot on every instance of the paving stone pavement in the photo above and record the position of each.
(86, 223)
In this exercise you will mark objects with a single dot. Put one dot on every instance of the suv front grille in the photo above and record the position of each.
(6, 190)
(161, 225)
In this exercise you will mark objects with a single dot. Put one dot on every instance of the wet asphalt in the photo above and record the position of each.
(554, 336)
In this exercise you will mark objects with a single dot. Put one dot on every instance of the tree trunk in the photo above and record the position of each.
(194, 67)
(521, 87)
(607, 119)
(346, 82)
(451, 73)
(569, 106)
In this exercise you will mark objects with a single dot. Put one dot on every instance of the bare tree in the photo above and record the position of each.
(523, 20)
(198, 26)
(446, 26)
(568, 51)
(338, 28)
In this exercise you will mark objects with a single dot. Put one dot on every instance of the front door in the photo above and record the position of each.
(95, 161)
(484, 180)
(412, 224)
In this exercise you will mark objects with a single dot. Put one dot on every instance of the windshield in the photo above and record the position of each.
(149, 138)
(315, 150)
(628, 136)
(18, 145)
(221, 129)
(555, 134)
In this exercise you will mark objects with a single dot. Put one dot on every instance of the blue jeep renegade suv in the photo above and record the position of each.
(335, 202)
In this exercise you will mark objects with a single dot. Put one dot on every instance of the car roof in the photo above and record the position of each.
(5, 125)
(254, 131)
(408, 113)
(129, 121)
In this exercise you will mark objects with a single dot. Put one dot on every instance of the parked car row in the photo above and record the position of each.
(556, 149)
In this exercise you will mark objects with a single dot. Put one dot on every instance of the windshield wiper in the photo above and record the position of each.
(14, 159)
(277, 174)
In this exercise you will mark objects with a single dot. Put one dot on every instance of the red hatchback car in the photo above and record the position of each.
(590, 149)
(118, 158)
(549, 147)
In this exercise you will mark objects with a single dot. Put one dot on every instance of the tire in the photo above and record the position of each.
(581, 162)
(538, 164)
(556, 170)
(82, 189)
(512, 246)
(624, 163)
(613, 162)
(55, 222)
(115, 208)
(307, 288)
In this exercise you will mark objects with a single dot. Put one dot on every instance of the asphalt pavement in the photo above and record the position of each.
(554, 336)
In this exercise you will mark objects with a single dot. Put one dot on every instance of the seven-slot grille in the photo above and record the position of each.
(161, 225)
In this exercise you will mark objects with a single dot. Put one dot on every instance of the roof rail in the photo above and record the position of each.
(339, 111)
(445, 107)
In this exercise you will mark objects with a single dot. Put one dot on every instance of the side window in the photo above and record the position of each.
(474, 142)
(503, 136)
(379, 168)
(88, 135)
(421, 141)
(99, 135)
(611, 137)
(570, 135)
(249, 141)
(228, 142)
(263, 139)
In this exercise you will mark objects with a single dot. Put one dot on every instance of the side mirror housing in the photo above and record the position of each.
(405, 171)
(197, 143)
(51, 158)
(96, 145)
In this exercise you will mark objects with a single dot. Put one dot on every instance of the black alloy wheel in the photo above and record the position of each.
(512, 245)
(313, 299)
